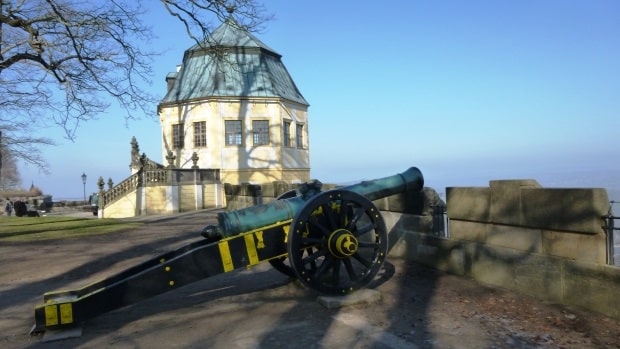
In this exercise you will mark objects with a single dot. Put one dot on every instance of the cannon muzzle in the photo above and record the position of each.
(410, 180)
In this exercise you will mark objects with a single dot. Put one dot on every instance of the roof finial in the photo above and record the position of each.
(230, 9)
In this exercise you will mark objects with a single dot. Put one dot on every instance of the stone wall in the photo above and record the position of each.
(126, 206)
(523, 216)
(240, 196)
(547, 243)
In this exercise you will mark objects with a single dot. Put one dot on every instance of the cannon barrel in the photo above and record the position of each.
(236, 222)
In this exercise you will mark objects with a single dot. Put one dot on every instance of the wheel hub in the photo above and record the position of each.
(342, 243)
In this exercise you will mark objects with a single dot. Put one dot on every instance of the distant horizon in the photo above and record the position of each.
(612, 193)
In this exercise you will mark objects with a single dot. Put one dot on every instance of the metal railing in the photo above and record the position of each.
(440, 224)
(610, 231)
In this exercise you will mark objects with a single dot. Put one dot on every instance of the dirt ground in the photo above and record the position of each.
(260, 308)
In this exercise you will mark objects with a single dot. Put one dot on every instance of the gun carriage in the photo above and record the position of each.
(333, 241)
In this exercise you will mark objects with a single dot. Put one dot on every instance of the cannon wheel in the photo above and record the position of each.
(281, 264)
(337, 242)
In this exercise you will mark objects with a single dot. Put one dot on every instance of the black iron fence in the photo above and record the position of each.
(612, 232)
(440, 221)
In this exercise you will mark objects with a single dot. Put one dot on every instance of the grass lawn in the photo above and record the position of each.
(47, 228)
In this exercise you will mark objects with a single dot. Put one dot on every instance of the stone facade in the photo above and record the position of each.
(244, 162)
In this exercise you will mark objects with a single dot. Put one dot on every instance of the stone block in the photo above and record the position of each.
(518, 238)
(491, 264)
(231, 190)
(466, 230)
(239, 202)
(577, 210)
(539, 276)
(580, 247)
(592, 286)
(438, 253)
(280, 188)
(471, 204)
(506, 200)
(411, 202)
(399, 226)
(442, 254)
(267, 190)
(405, 222)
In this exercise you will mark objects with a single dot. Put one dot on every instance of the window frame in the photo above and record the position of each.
(299, 136)
(178, 136)
(260, 135)
(286, 133)
(200, 134)
(233, 137)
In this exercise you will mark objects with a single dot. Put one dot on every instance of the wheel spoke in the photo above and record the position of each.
(350, 271)
(358, 212)
(309, 242)
(362, 260)
(336, 270)
(311, 258)
(344, 205)
(308, 251)
(329, 214)
(323, 229)
(323, 268)
(362, 244)
(364, 229)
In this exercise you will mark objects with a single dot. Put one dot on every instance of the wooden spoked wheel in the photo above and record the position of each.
(338, 242)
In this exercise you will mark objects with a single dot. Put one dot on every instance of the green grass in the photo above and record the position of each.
(48, 228)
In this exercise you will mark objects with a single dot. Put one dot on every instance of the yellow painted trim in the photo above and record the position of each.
(51, 315)
(227, 262)
(251, 249)
(259, 238)
(66, 313)
(286, 229)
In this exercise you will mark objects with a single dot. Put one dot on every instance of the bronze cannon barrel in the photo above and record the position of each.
(232, 223)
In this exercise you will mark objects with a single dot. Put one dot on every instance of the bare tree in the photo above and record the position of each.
(9, 174)
(64, 62)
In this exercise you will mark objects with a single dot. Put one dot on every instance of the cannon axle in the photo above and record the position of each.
(342, 243)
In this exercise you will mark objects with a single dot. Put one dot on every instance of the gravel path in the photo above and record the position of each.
(260, 308)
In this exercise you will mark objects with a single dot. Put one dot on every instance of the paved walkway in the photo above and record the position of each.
(260, 308)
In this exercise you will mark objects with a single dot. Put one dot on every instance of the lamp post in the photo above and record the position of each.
(84, 182)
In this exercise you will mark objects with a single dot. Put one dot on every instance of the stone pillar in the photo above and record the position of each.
(141, 188)
(172, 192)
(198, 190)
(100, 198)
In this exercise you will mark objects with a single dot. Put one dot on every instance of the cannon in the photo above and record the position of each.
(333, 241)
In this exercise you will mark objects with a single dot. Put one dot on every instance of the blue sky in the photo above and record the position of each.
(468, 91)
